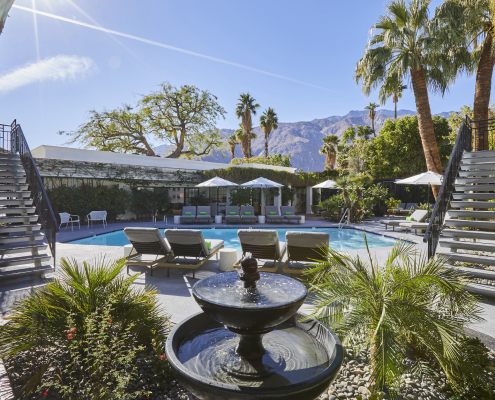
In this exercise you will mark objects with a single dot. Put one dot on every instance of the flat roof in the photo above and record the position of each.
(84, 155)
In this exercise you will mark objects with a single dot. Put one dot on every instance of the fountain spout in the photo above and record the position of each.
(249, 273)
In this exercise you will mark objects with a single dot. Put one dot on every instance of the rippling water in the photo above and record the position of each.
(210, 352)
(271, 290)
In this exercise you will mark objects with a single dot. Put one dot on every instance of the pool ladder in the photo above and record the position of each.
(343, 216)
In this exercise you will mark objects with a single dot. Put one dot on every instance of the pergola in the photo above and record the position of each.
(4, 12)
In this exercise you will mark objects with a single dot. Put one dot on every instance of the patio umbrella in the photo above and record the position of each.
(426, 178)
(216, 182)
(262, 183)
(329, 184)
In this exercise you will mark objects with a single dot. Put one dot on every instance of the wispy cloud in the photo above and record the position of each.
(59, 68)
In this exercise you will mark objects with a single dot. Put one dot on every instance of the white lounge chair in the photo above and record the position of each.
(418, 215)
(97, 216)
(303, 248)
(66, 218)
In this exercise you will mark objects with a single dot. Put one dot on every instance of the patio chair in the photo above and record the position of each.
(402, 206)
(191, 245)
(303, 248)
(146, 241)
(232, 214)
(418, 215)
(288, 213)
(66, 218)
(263, 244)
(416, 226)
(203, 214)
(409, 207)
(188, 214)
(272, 214)
(97, 216)
(247, 214)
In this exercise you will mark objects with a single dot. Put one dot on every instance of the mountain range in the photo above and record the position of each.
(303, 140)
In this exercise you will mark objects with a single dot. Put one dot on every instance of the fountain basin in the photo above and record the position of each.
(311, 356)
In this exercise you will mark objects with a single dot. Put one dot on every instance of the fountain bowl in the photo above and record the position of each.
(209, 389)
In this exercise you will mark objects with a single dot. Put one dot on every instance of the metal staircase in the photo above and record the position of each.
(27, 222)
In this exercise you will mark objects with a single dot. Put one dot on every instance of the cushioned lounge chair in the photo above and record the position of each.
(417, 226)
(206, 217)
(285, 210)
(191, 245)
(250, 217)
(402, 206)
(146, 241)
(188, 218)
(229, 217)
(418, 215)
(272, 214)
(303, 248)
(263, 244)
(409, 207)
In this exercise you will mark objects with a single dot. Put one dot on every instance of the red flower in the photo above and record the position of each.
(109, 320)
(163, 357)
(69, 336)
(147, 397)
(46, 393)
(73, 330)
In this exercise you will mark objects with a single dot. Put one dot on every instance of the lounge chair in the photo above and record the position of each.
(409, 207)
(97, 216)
(186, 217)
(232, 214)
(66, 218)
(272, 214)
(203, 214)
(146, 241)
(263, 244)
(189, 243)
(402, 206)
(418, 215)
(417, 226)
(288, 213)
(249, 217)
(303, 248)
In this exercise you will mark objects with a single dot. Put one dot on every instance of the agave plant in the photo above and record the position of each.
(408, 306)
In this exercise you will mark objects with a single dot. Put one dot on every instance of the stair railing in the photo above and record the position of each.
(18, 144)
(462, 143)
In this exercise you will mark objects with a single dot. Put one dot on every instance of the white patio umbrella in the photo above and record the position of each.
(426, 178)
(329, 184)
(216, 182)
(262, 183)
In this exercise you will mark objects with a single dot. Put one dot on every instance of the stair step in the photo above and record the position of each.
(16, 249)
(462, 233)
(460, 181)
(472, 204)
(16, 202)
(478, 154)
(14, 273)
(461, 223)
(21, 210)
(476, 172)
(486, 291)
(11, 166)
(7, 262)
(471, 167)
(18, 218)
(18, 194)
(19, 228)
(470, 258)
(21, 238)
(13, 186)
(9, 156)
(475, 246)
(473, 196)
(474, 188)
(12, 173)
(478, 160)
(472, 214)
(477, 273)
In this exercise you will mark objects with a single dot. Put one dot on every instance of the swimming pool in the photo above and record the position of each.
(340, 239)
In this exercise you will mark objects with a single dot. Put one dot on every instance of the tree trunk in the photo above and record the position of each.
(395, 110)
(247, 126)
(482, 94)
(330, 161)
(232, 151)
(180, 145)
(425, 123)
(267, 135)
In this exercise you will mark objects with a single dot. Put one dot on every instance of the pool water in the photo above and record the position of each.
(340, 239)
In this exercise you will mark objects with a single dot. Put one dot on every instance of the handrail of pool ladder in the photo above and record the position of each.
(343, 216)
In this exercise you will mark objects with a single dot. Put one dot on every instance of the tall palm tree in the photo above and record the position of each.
(403, 44)
(242, 138)
(233, 141)
(329, 149)
(5, 6)
(246, 107)
(268, 122)
(392, 87)
(371, 107)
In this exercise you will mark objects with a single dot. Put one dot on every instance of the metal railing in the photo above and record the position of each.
(483, 134)
(462, 143)
(12, 140)
(343, 216)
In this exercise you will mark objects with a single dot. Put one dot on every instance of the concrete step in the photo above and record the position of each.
(16, 202)
(9, 156)
(471, 167)
(20, 228)
(18, 249)
(472, 214)
(14, 274)
(20, 210)
(13, 186)
(478, 154)
(21, 238)
(465, 181)
(485, 291)
(477, 273)
(475, 188)
(469, 258)
(472, 204)
(12, 173)
(22, 260)
(478, 160)
(462, 223)
(475, 246)
(18, 218)
(11, 166)
(473, 196)
(477, 172)
(462, 233)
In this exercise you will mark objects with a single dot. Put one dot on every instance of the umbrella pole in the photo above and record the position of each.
(428, 209)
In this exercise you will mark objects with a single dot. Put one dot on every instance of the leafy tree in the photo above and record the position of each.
(147, 202)
(232, 142)
(455, 119)
(404, 45)
(5, 13)
(372, 113)
(352, 149)
(392, 87)
(352, 191)
(272, 159)
(397, 152)
(241, 196)
(329, 149)
(243, 139)
(246, 107)
(268, 122)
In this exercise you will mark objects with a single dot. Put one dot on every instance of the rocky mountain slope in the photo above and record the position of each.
(302, 140)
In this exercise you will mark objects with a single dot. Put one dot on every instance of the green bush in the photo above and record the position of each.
(272, 159)
(330, 207)
(145, 202)
(241, 196)
(201, 199)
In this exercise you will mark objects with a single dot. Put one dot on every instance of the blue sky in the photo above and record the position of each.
(317, 42)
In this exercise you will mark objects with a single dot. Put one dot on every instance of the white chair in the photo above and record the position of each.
(66, 218)
(97, 216)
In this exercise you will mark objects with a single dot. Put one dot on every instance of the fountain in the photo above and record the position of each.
(250, 343)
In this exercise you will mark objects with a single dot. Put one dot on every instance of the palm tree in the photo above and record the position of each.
(268, 122)
(330, 150)
(403, 44)
(408, 305)
(4, 12)
(242, 138)
(245, 107)
(392, 87)
(232, 141)
(371, 107)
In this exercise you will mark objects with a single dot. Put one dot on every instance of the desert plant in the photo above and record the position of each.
(331, 206)
(409, 306)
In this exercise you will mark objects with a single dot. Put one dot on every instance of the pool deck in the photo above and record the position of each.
(175, 291)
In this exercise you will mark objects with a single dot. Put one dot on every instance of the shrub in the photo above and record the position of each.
(331, 207)
(145, 202)
(241, 196)
(201, 199)
(272, 159)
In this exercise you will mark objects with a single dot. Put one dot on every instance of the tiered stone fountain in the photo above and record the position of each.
(249, 343)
